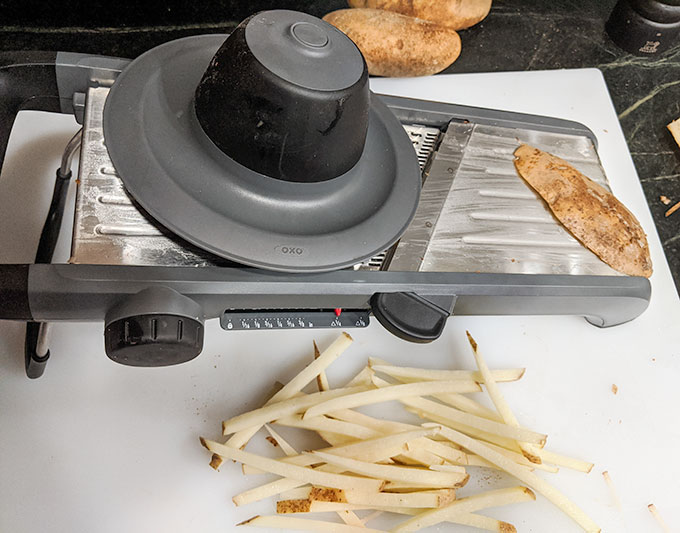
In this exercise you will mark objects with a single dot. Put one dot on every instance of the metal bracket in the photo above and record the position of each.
(77, 72)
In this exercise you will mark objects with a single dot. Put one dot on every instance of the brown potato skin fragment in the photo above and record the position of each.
(590, 212)
(456, 14)
(293, 506)
(323, 494)
(395, 45)
(216, 461)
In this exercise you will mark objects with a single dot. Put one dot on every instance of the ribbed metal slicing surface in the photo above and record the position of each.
(424, 141)
(476, 214)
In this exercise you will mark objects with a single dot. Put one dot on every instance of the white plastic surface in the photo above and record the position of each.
(95, 446)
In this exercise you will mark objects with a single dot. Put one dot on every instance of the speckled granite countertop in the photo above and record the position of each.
(517, 35)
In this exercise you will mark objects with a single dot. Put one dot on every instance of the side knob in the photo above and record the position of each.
(155, 327)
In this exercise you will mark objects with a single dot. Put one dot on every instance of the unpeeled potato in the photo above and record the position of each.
(456, 14)
(396, 45)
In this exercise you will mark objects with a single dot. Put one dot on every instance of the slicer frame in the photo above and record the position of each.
(411, 304)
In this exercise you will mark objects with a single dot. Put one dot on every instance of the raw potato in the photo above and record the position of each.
(403, 469)
(673, 127)
(396, 45)
(590, 212)
(533, 481)
(456, 14)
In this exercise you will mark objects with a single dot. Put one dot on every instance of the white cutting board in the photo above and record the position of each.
(93, 446)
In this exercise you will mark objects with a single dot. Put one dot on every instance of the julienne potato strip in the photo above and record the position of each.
(286, 448)
(475, 460)
(287, 470)
(266, 491)
(500, 440)
(455, 400)
(346, 515)
(351, 519)
(482, 522)
(431, 410)
(565, 461)
(296, 385)
(368, 450)
(321, 379)
(362, 378)
(216, 460)
(335, 439)
(445, 452)
(315, 506)
(418, 457)
(372, 450)
(414, 475)
(492, 498)
(428, 498)
(402, 487)
(314, 368)
(521, 473)
(300, 493)
(457, 416)
(328, 507)
(655, 513)
(504, 442)
(382, 426)
(447, 468)
(386, 394)
(521, 460)
(426, 374)
(303, 524)
(322, 423)
(421, 499)
(528, 449)
(274, 411)
(468, 405)
(275, 487)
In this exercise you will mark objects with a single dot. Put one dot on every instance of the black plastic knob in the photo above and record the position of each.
(154, 327)
(153, 340)
(410, 316)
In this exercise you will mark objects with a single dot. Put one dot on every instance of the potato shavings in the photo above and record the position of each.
(376, 467)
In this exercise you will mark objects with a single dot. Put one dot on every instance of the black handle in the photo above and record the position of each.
(14, 293)
(28, 80)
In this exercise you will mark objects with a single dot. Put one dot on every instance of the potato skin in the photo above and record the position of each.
(456, 14)
(590, 212)
(396, 45)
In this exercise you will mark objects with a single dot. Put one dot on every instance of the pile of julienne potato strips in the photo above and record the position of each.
(387, 466)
